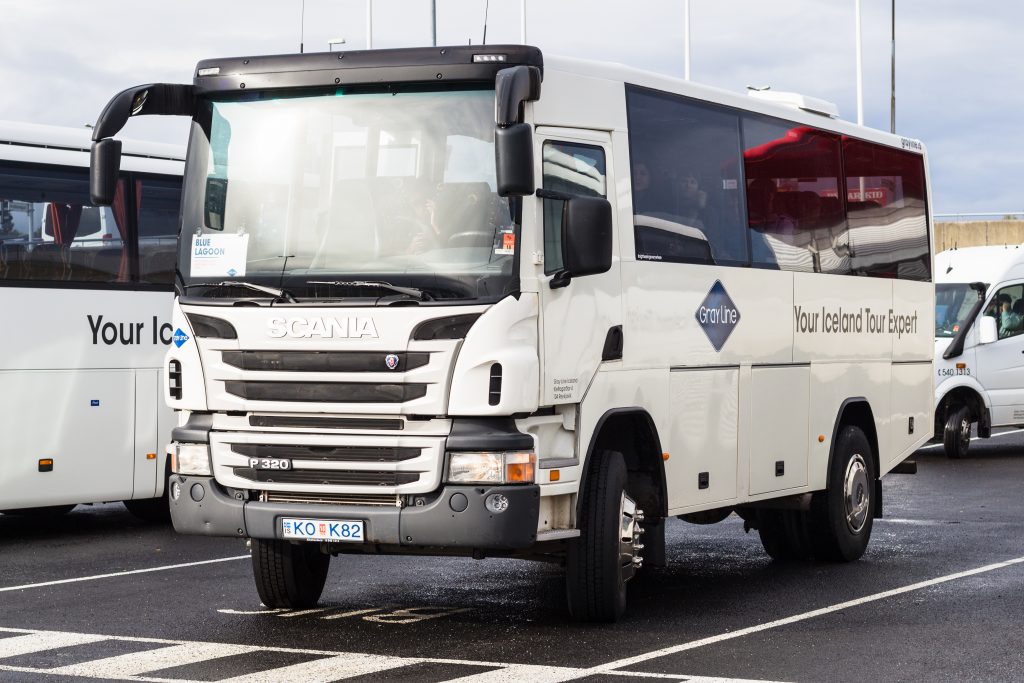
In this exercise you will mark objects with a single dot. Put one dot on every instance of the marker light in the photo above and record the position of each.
(209, 71)
(191, 458)
(492, 468)
(483, 59)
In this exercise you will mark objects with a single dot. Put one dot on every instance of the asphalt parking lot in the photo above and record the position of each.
(939, 596)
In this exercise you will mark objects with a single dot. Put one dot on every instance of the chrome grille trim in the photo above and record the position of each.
(375, 499)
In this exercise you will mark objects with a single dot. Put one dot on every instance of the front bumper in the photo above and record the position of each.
(202, 506)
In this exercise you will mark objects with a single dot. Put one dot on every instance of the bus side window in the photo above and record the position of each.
(158, 229)
(569, 168)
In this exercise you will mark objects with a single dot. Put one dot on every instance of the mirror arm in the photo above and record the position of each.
(514, 86)
(560, 279)
(162, 99)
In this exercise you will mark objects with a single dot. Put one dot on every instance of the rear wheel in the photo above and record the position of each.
(956, 436)
(784, 534)
(287, 574)
(606, 554)
(841, 516)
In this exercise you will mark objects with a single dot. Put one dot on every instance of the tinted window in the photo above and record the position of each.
(686, 180)
(158, 228)
(794, 210)
(574, 169)
(887, 211)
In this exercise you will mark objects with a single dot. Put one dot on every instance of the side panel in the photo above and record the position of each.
(911, 398)
(703, 437)
(82, 420)
(779, 398)
(147, 411)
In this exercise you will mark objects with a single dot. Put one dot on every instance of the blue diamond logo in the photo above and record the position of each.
(232, 272)
(180, 338)
(717, 315)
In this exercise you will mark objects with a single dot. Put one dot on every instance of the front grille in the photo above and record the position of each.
(309, 422)
(378, 499)
(325, 361)
(329, 453)
(326, 392)
(328, 477)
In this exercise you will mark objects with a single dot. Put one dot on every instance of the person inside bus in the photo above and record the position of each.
(690, 200)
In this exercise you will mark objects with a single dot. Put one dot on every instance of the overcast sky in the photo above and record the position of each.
(959, 79)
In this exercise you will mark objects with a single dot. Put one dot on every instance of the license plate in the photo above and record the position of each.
(342, 531)
(270, 463)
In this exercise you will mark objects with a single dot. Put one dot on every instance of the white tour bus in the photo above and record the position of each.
(979, 343)
(86, 295)
(459, 301)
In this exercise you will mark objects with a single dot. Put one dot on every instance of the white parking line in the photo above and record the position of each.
(729, 635)
(135, 663)
(124, 573)
(975, 438)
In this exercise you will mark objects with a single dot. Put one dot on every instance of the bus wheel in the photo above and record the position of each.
(784, 534)
(841, 516)
(289, 574)
(956, 437)
(607, 553)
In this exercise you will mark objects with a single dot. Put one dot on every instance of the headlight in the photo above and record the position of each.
(191, 458)
(491, 468)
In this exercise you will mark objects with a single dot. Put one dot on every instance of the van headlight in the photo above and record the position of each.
(485, 467)
(191, 458)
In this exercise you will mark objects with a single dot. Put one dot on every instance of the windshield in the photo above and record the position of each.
(348, 195)
(952, 304)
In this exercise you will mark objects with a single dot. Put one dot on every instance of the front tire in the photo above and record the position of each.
(841, 516)
(606, 554)
(956, 436)
(289, 575)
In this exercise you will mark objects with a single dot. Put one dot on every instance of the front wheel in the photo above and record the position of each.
(606, 554)
(956, 436)
(289, 575)
(841, 516)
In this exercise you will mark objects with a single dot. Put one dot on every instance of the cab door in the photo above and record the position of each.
(575, 318)
(1001, 363)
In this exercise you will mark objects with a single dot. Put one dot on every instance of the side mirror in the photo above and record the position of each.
(216, 202)
(513, 153)
(586, 237)
(104, 164)
(987, 330)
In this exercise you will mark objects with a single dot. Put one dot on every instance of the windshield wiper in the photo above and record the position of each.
(418, 294)
(278, 294)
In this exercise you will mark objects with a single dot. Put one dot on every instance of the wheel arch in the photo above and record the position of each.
(855, 412)
(962, 394)
(632, 432)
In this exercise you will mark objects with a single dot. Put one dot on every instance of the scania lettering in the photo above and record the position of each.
(489, 304)
(86, 297)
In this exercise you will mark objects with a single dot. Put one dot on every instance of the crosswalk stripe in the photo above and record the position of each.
(136, 663)
(524, 672)
(45, 640)
(327, 669)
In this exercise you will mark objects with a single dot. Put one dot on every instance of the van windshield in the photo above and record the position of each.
(953, 302)
(329, 195)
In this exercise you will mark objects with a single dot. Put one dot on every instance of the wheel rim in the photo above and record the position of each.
(965, 434)
(629, 537)
(856, 494)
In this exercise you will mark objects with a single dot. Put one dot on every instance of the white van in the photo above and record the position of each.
(979, 343)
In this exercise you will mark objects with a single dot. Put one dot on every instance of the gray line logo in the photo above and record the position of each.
(718, 315)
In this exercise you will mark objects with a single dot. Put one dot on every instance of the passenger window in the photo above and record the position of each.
(687, 191)
(574, 169)
(158, 229)
(794, 211)
(1007, 307)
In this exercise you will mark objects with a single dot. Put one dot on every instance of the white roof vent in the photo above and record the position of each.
(797, 101)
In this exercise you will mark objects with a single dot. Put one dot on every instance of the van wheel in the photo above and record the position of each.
(606, 554)
(956, 437)
(288, 574)
(784, 534)
(841, 516)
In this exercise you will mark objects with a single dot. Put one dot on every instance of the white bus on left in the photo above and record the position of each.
(86, 296)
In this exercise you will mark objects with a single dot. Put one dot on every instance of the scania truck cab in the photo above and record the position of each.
(430, 303)
(979, 343)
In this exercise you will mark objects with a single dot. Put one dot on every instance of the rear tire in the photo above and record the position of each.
(602, 559)
(289, 575)
(956, 436)
(784, 534)
(841, 516)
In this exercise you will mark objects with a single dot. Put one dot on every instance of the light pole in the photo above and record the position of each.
(433, 22)
(522, 21)
(686, 39)
(334, 41)
(892, 91)
(369, 24)
(860, 79)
